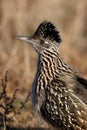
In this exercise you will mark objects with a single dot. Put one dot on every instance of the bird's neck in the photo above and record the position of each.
(51, 64)
(48, 67)
(48, 64)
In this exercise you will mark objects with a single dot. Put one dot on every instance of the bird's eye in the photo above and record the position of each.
(46, 42)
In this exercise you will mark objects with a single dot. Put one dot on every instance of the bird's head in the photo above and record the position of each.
(45, 37)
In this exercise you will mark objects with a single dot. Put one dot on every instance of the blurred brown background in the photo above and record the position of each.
(22, 17)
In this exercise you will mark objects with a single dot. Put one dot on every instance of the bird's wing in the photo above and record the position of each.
(63, 108)
(77, 84)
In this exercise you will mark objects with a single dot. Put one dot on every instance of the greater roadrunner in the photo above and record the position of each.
(59, 94)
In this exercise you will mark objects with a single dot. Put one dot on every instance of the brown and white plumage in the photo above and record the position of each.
(59, 94)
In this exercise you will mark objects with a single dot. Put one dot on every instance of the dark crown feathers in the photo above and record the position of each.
(47, 30)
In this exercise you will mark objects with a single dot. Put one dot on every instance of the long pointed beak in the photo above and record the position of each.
(28, 40)
(23, 38)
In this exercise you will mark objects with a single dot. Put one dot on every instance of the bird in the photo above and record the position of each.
(59, 92)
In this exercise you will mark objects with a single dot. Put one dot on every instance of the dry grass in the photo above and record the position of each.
(13, 111)
(23, 17)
